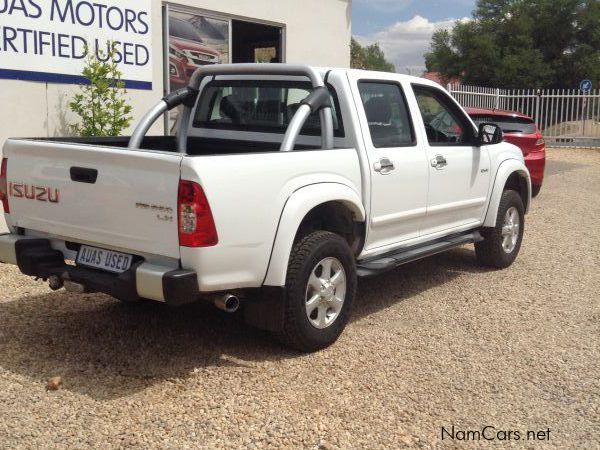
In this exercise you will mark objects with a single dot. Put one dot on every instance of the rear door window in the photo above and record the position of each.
(508, 124)
(387, 114)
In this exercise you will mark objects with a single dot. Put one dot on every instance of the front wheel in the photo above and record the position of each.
(321, 286)
(502, 243)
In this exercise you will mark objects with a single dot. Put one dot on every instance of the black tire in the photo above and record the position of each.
(490, 251)
(535, 190)
(308, 252)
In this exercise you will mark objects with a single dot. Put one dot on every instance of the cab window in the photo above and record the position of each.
(444, 122)
(260, 106)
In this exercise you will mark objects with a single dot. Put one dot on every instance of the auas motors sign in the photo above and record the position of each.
(46, 40)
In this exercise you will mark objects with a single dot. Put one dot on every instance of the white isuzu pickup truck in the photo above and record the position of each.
(283, 185)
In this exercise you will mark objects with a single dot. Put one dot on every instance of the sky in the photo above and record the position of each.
(403, 28)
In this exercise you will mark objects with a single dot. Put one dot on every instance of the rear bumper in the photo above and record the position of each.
(35, 257)
(536, 163)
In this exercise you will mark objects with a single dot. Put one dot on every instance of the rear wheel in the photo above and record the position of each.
(321, 286)
(535, 189)
(502, 243)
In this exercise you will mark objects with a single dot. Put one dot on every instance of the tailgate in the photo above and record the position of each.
(105, 196)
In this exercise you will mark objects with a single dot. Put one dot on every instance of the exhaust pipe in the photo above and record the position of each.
(55, 282)
(227, 302)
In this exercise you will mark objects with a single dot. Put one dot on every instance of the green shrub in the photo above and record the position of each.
(101, 104)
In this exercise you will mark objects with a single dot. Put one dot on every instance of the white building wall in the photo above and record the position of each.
(317, 32)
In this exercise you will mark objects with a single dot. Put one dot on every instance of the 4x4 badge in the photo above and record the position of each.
(163, 213)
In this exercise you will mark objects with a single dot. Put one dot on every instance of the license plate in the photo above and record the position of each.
(99, 258)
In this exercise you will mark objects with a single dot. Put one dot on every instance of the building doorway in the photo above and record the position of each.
(255, 43)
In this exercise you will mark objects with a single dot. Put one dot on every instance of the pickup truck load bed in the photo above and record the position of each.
(283, 185)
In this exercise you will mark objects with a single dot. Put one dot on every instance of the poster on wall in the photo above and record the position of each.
(47, 40)
(194, 41)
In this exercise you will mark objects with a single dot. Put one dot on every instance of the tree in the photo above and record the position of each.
(100, 104)
(522, 43)
(370, 57)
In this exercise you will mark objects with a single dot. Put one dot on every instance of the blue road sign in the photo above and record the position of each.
(585, 85)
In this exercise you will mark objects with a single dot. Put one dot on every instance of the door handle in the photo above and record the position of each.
(439, 162)
(384, 166)
(83, 175)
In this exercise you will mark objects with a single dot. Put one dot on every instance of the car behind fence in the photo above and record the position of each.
(566, 117)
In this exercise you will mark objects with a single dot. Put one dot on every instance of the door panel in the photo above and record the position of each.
(398, 198)
(459, 174)
(457, 192)
(398, 164)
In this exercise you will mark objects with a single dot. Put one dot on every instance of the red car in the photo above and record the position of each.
(521, 131)
(187, 52)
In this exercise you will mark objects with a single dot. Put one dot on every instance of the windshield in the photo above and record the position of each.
(259, 105)
(508, 124)
(183, 30)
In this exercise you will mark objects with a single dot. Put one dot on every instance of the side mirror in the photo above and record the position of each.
(489, 134)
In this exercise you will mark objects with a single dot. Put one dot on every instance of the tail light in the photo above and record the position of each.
(540, 143)
(4, 185)
(196, 223)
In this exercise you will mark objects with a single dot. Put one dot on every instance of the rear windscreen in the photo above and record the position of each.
(508, 124)
(260, 106)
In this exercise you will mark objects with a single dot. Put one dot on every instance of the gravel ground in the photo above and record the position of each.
(436, 343)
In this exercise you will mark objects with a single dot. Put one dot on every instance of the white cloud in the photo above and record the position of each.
(405, 43)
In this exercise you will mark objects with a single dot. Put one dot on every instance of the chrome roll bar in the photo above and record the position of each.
(148, 119)
(316, 101)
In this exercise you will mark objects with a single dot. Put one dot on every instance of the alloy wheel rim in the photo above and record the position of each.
(325, 293)
(510, 229)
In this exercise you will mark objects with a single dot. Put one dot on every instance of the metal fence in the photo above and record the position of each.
(566, 117)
